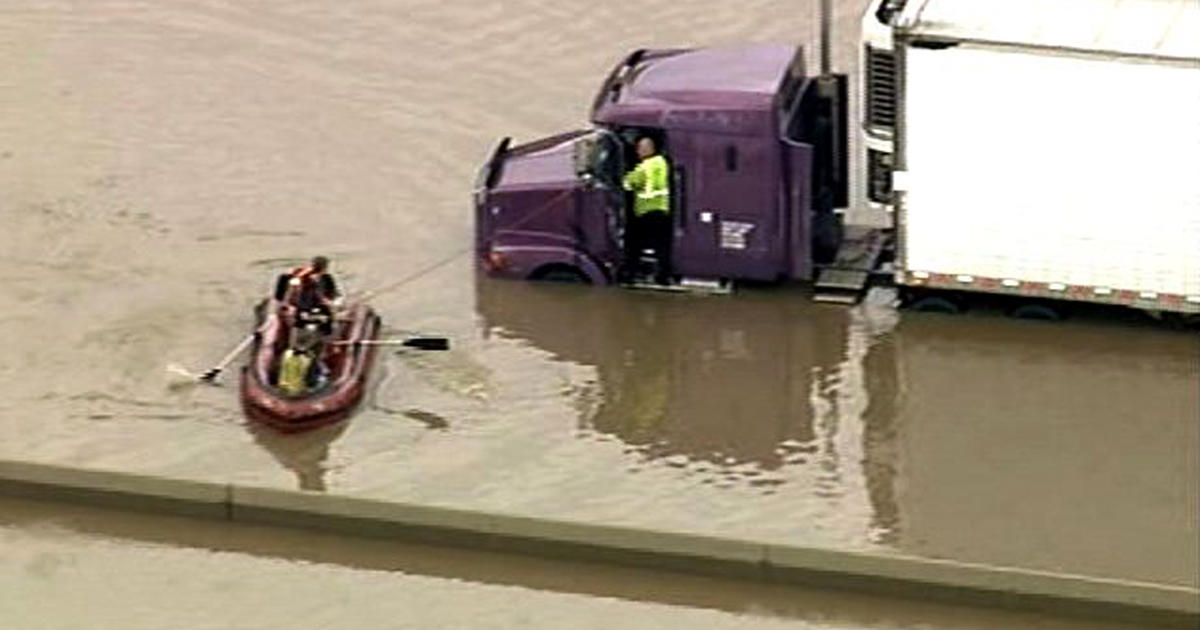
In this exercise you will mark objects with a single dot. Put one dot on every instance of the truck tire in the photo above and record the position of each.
(1038, 310)
(560, 273)
(932, 303)
(1182, 321)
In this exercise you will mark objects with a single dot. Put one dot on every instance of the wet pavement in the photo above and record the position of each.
(161, 162)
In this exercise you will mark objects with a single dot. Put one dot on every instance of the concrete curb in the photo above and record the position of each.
(883, 574)
(114, 489)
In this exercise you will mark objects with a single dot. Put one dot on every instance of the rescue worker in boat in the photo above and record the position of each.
(300, 367)
(312, 291)
(651, 225)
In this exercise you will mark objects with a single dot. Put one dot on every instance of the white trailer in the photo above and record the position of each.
(1049, 150)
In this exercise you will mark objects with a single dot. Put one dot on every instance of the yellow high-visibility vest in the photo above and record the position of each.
(293, 372)
(648, 182)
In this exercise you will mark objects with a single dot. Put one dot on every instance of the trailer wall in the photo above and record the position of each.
(1040, 167)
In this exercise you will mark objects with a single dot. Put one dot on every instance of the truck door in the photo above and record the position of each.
(727, 223)
(600, 157)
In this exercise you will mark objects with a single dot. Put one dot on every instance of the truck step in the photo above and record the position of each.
(841, 286)
(849, 299)
(843, 279)
(706, 285)
(685, 285)
(856, 267)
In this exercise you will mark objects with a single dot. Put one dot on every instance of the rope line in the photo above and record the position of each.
(445, 261)
(410, 278)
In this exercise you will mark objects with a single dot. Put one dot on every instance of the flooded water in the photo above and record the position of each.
(57, 569)
(160, 162)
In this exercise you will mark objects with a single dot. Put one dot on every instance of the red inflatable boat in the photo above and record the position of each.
(346, 358)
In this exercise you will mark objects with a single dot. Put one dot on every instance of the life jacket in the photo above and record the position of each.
(293, 372)
(303, 289)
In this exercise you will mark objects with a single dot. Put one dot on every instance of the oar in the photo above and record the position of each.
(426, 343)
(420, 343)
(212, 373)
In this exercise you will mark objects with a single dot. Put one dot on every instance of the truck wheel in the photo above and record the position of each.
(1182, 321)
(935, 304)
(561, 273)
(1034, 310)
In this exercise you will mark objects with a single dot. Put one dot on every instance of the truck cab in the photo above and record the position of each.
(757, 173)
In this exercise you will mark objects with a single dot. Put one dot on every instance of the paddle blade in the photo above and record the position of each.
(178, 370)
(210, 375)
(428, 343)
(180, 378)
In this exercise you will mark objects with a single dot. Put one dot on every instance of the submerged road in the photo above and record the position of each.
(160, 162)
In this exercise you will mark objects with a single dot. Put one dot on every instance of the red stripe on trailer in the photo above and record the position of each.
(1053, 290)
(1080, 292)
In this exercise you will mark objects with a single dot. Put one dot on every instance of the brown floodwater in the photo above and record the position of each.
(161, 161)
(71, 567)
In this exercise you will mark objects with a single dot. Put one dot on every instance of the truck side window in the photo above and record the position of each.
(731, 158)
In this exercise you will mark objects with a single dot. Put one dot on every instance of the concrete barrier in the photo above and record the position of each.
(499, 532)
(884, 574)
(47, 482)
(986, 585)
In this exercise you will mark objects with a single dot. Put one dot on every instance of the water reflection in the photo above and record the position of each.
(305, 453)
(1058, 446)
(756, 390)
(880, 437)
(1067, 446)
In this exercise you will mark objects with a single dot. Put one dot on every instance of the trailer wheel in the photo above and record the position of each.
(560, 273)
(1182, 321)
(935, 304)
(1035, 310)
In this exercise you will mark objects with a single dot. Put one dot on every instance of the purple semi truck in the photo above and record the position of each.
(757, 155)
(758, 164)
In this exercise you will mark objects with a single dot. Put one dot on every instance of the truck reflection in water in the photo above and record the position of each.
(1069, 446)
(740, 387)
(1065, 447)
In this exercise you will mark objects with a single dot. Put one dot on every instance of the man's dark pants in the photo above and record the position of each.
(652, 230)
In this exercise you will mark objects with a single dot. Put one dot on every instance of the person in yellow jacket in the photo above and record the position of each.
(651, 225)
(299, 368)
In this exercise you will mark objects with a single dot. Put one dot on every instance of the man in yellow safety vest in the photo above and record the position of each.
(300, 367)
(651, 225)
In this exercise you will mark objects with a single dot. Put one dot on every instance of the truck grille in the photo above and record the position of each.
(881, 88)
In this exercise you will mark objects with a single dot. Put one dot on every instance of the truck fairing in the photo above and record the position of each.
(538, 164)
(730, 89)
